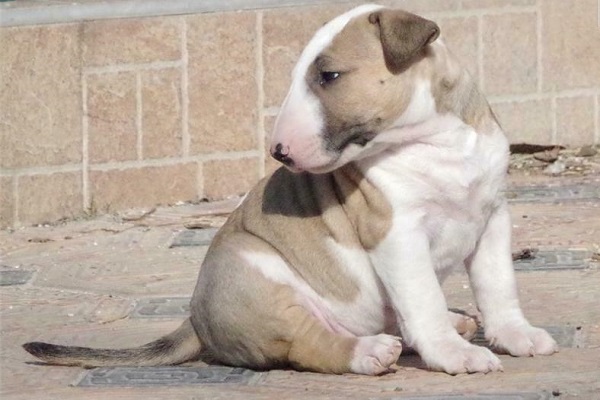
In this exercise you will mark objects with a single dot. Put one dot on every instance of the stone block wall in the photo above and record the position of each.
(103, 115)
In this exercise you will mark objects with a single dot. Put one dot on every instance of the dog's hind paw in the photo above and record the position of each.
(373, 355)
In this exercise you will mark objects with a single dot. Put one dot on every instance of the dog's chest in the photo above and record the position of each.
(447, 191)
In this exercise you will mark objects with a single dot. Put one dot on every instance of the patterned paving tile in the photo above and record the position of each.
(555, 259)
(162, 307)
(491, 396)
(167, 376)
(545, 194)
(15, 277)
(194, 237)
(565, 336)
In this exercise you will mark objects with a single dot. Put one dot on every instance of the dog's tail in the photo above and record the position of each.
(179, 346)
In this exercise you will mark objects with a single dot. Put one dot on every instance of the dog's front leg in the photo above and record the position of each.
(493, 280)
(403, 263)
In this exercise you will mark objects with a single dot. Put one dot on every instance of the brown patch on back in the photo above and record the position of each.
(297, 213)
(456, 92)
(367, 208)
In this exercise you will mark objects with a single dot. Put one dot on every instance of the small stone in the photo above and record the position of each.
(205, 222)
(547, 155)
(556, 168)
(137, 214)
(39, 240)
(587, 151)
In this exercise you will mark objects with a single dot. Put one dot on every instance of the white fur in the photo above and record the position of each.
(421, 106)
(419, 120)
(443, 180)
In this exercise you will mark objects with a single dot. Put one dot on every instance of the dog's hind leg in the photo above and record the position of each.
(315, 348)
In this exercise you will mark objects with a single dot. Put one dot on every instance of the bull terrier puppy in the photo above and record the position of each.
(394, 170)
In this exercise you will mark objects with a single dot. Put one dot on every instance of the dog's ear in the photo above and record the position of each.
(403, 35)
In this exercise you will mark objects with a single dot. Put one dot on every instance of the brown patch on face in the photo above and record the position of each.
(403, 37)
(364, 80)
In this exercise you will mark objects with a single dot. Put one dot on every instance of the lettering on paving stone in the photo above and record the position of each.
(487, 396)
(162, 307)
(194, 237)
(552, 260)
(14, 277)
(552, 193)
(166, 376)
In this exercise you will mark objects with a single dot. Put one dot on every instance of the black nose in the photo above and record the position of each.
(281, 154)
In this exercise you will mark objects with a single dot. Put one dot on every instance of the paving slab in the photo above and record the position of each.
(168, 376)
(543, 194)
(15, 277)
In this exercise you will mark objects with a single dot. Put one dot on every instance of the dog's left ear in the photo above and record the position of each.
(403, 35)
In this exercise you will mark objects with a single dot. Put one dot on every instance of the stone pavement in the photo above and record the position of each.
(122, 280)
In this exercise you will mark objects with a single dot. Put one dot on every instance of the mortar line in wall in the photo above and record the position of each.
(138, 118)
(200, 181)
(481, 80)
(163, 162)
(49, 170)
(516, 98)
(260, 129)
(539, 48)
(46, 170)
(553, 119)
(111, 69)
(85, 158)
(597, 119)
(15, 193)
(185, 100)
(464, 13)
(270, 111)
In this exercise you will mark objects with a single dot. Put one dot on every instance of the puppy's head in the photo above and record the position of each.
(353, 80)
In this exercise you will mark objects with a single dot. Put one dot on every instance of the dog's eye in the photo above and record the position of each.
(326, 77)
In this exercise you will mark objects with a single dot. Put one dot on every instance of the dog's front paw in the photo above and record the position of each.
(374, 355)
(454, 355)
(522, 340)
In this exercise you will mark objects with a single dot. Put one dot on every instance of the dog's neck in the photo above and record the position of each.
(456, 91)
(445, 97)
